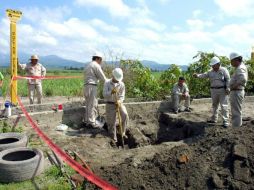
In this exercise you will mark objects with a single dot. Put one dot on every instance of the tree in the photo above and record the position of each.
(201, 87)
(169, 77)
(139, 80)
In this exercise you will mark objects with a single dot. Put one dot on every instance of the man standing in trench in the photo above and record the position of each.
(114, 93)
(219, 85)
(34, 69)
(93, 74)
(237, 84)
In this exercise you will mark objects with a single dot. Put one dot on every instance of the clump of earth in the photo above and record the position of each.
(168, 151)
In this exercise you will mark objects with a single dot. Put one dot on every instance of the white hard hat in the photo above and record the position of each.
(118, 74)
(98, 54)
(234, 55)
(214, 61)
(34, 57)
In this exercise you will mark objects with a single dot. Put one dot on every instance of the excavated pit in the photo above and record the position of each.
(165, 129)
(165, 151)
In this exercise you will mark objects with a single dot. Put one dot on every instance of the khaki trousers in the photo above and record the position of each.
(111, 116)
(219, 97)
(236, 101)
(90, 93)
(177, 100)
(32, 88)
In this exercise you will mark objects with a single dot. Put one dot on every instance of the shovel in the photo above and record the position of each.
(100, 120)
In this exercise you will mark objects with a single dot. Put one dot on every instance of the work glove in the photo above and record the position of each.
(114, 91)
(185, 94)
(118, 103)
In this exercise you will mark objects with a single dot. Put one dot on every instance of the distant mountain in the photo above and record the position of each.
(49, 61)
(161, 67)
(155, 66)
(54, 62)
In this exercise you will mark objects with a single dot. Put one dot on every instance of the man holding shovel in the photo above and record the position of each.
(114, 93)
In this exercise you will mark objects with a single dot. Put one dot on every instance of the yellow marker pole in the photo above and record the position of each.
(14, 16)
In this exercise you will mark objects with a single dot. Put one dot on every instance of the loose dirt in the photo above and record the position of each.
(168, 151)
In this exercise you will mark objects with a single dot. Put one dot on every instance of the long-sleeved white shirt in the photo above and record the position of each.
(93, 73)
(218, 78)
(34, 70)
(179, 90)
(108, 87)
(240, 77)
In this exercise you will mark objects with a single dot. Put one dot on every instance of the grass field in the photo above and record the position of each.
(56, 87)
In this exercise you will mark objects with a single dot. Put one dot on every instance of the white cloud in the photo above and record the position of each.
(139, 37)
(147, 22)
(196, 13)
(197, 24)
(237, 8)
(192, 37)
(104, 26)
(143, 35)
(35, 14)
(164, 1)
(115, 7)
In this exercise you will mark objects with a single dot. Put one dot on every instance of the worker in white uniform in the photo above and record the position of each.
(34, 69)
(93, 74)
(237, 84)
(219, 84)
(114, 94)
(180, 92)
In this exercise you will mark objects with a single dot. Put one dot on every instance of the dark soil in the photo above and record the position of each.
(213, 162)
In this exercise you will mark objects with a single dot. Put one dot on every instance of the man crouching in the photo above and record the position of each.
(114, 93)
(180, 92)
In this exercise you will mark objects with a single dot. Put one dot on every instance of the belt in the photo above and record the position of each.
(237, 90)
(91, 84)
(108, 102)
(219, 87)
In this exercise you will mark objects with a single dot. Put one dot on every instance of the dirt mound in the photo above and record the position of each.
(217, 159)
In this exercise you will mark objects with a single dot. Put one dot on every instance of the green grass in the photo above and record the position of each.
(51, 179)
(57, 87)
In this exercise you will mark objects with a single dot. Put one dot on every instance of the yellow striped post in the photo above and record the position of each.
(14, 16)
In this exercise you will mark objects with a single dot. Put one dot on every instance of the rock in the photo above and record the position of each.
(218, 183)
(136, 162)
(239, 151)
(136, 138)
(241, 171)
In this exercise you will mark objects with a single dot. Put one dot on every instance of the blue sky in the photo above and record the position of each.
(166, 31)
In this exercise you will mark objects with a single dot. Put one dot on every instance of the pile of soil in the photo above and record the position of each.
(216, 159)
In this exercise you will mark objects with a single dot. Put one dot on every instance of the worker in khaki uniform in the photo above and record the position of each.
(93, 74)
(219, 80)
(180, 92)
(34, 68)
(114, 93)
(237, 84)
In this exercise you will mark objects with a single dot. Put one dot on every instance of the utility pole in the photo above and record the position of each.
(14, 16)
